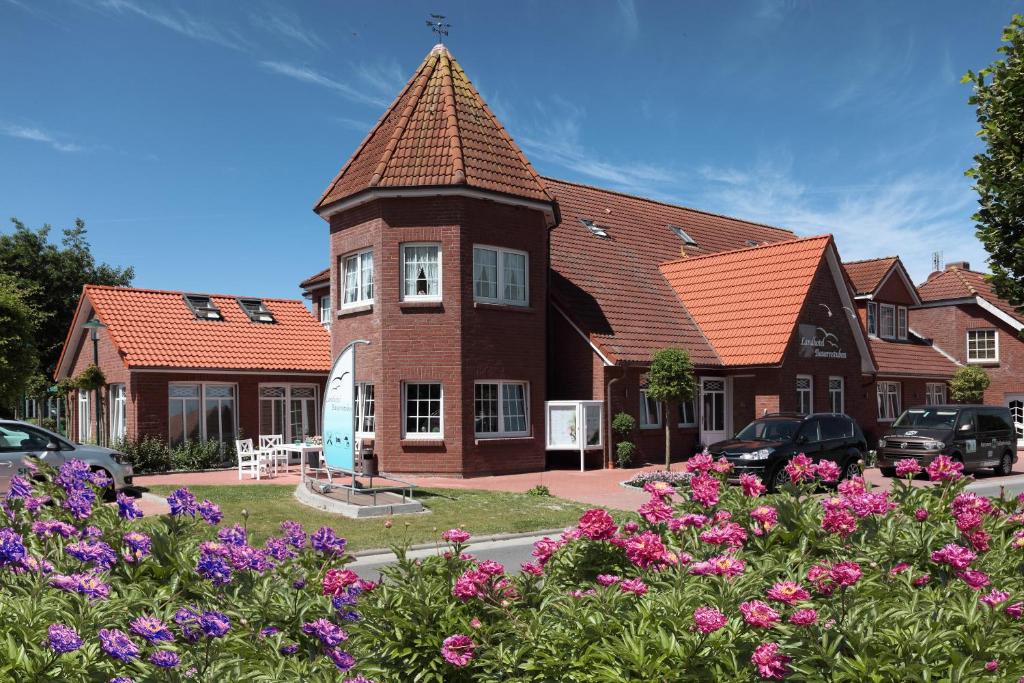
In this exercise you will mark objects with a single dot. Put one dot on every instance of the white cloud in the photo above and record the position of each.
(38, 135)
(177, 20)
(630, 21)
(386, 78)
(286, 25)
(307, 75)
(354, 124)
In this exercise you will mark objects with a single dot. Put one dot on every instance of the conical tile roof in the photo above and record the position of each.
(437, 132)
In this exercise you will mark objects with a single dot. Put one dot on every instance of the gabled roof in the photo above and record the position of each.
(612, 288)
(157, 329)
(437, 132)
(910, 358)
(321, 278)
(867, 275)
(726, 295)
(957, 283)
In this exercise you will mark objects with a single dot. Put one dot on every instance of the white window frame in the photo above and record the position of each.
(364, 286)
(967, 347)
(901, 322)
(325, 310)
(286, 416)
(422, 436)
(810, 394)
(440, 274)
(645, 404)
(202, 406)
(832, 391)
(499, 261)
(360, 400)
(885, 391)
(882, 308)
(501, 433)
(118, 400)
(872, 322)
(936, 394)
(693, 413)
(84, 416)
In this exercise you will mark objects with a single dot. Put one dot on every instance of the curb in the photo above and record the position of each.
(481, 539)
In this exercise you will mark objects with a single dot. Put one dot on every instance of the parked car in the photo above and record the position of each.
(765, 445)
(977, 436)
(19, 442)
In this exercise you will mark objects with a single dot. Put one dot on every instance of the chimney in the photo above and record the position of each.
(959, 265)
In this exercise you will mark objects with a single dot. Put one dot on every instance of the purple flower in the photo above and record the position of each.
(165, 659)
(36, 565)
(74, 475)
(182, 502)
(268, 631)
(247, 557)
(324, 629)
(215, 569)
(126, 507)
(97, 553)
(122, 679)
(34, 503)
(18, 487)
(118, 645)
(294, 534)
(91, 532)
(89, 585)
(63, 639)
(151, 628)
(100, 479)
(278, 549)
(79, 503)
(188, 621)
(358, 679)
(137, 546)
(12, 547)
(210, 512)
(46, 529)
(325, 540)
(214, 624)
(299, 584)
(232, 535)
(343, 660)
(289, 649)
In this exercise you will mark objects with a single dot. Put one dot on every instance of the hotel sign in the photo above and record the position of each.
(339, 412)
(817, 342)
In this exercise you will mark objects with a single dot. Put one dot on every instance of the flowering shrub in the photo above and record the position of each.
(89, 592)
(721, 583)
(673, 477)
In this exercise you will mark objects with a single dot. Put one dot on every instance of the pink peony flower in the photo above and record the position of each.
(752, 485)
(1015, 610)
(970, 503)
(704, 489)
(469, 585)
(458, 649)
(722, 565)
(978, 539)
(635, 586)
(899, 568)
(608, 579)
(730, 534)
(944, 468)
(770, 664)
(992, 665)
(722, 466)
(578, 593)
(337, 581)
(1017, 542)
(922, 580)
(597, 525)
(839, 522)
(708, 619)
(475, 623)
(789, 592)
(765, 518)
(973, 578)
(852, 486)
(532, 568)
(655, 511)
(759, 614)
(920, 514)
(689, 519)
(491, 568)
(994, 598)
(662, 489)
(644, 549)
(845, 573)
(455, 536)
(907, 467)
(954, 555)
(804, 617)
(701, 462)
(630, 527)
(800, 468)
(545, 548)
(827, 470)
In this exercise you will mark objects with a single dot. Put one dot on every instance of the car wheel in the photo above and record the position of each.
(851, 469)
(1005, 465)
(887, 471)
(777, 478)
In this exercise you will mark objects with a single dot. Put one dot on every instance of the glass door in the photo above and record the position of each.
(713, 402)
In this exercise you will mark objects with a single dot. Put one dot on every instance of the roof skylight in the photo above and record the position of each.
(593, 227)
(683, 235)
(752, 243)
(257, 311)
(202, 307)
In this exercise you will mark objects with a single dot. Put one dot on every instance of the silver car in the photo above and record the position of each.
(19, 440)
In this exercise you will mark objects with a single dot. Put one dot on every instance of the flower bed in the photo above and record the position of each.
(675, 478)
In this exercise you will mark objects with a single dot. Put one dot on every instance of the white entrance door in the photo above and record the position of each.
(1016, 405)
(713, 410)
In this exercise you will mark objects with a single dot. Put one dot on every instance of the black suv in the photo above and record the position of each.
(765, 445)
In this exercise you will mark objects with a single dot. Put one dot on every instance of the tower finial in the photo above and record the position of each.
(438, 25)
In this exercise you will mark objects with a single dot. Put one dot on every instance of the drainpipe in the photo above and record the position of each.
(608, 418)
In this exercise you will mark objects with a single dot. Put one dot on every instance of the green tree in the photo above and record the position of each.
(52, 276)
(969, 384)
(998, 95)
(670, 381)
(19, 322)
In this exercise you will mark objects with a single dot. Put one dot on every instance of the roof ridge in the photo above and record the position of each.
(451, 114)
(421, 79)
(959, 276)
(869, 260)
(691, 259)
(669, 204)
(147, 290)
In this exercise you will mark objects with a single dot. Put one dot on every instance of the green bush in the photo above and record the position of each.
(196, 455)
(969, 384)
(48, 423)
(623, 425)
(624, 453)
(152, 455)
(539, 490)
(147, 455)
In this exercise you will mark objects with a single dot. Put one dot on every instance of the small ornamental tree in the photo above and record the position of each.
(969, 384)
(670, 380)
(624, 425)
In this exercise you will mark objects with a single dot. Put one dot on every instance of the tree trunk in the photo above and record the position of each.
(668, 439)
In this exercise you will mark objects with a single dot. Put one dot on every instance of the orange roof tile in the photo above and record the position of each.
(438, 131)
(725, 294)
(909, 358)
(957, 283)
(157, 329)
(868, 274)
(612, 287)
(323, 277)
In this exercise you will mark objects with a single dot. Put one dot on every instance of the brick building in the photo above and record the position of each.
(962, 313)
(487, 290)
(200, 367)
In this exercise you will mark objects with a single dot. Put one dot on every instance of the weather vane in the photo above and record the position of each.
(437, 24)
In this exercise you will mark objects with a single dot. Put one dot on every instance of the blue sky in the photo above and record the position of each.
(194, 137)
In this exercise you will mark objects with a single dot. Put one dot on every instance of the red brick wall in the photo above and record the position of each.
(114, 369)
(895, 291)
(454, 342)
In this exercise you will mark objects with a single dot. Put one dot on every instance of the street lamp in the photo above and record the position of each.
(94, 326)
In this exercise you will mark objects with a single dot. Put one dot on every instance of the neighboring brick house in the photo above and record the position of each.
(182, 366)
(912, 370)
(317, 289)
(964, 316)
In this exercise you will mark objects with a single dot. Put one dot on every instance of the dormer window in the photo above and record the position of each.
(202, 307)
(887, 321)
(257, 311)
(683, 235)
(593, 227)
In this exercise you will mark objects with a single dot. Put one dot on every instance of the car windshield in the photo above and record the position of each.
(769, 430)
(927, 418)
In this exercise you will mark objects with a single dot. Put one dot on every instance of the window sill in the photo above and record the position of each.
(481, 440)
(417, 304)
(511, 308)
(986, 363)
(353, 310)
(421, 443)
(687, 426)
(650, 427)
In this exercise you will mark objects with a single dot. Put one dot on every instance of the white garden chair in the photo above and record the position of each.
(249, 459)
(270, 448)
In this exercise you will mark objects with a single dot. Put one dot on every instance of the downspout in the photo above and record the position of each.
(608, 418)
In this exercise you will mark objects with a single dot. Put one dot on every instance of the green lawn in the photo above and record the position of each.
(480, 512)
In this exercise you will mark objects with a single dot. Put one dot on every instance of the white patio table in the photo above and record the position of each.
(309, 454)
